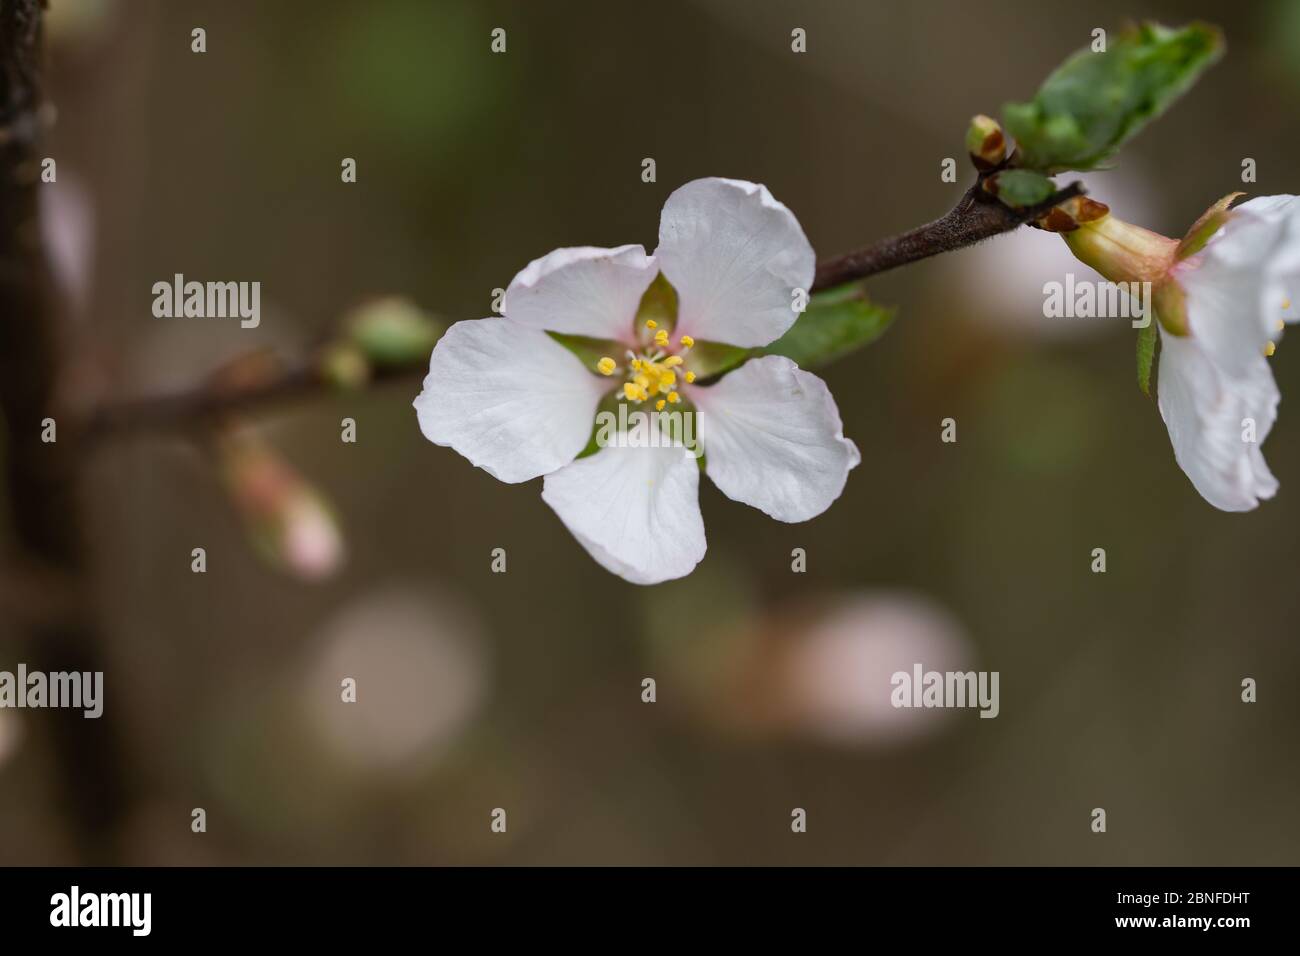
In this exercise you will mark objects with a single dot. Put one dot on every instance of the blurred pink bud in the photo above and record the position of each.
(289, 522)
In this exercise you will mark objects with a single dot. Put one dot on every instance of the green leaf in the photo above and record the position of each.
(1094, 102)
(836, 322)
(1146, 353)
(1019, 188)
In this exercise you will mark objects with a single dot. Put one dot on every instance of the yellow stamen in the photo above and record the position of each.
(687, 341)
(651, 324)
(673, 361)
(661, 337)
(1286, 303)
(606, 366)
(673, 398)
(633, 392)
(659, 405)
(690, 376)
(1270, 348)
(1280, 325)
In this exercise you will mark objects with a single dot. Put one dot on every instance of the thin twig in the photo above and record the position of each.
(209, 403)
(976, 217)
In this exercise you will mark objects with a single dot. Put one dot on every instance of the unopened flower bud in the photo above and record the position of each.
(392, 331)
(985, 143)
(289, 522)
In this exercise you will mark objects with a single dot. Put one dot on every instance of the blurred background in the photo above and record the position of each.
(523, 690)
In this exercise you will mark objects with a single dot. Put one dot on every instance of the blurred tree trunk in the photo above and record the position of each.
(41, 478)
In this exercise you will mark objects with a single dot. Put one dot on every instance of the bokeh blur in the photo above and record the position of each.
(523, 690)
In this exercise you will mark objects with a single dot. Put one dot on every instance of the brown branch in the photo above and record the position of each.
(976, 217)
(214, 401)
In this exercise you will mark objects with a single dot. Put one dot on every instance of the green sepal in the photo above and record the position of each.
(1146, 353)
(591, 350)
(658, 303)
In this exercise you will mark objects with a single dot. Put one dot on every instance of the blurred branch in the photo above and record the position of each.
(255, 381)
(42, 478)
(976, 217)
(222, 397)
(385, 339)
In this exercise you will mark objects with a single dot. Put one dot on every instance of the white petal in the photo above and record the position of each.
(773, 439)
(1282, 268)
(1251, 266)
(1271, 207)
(635, 509)
(582, 291)
(510, 399)
(1205, 411)
(735, 256)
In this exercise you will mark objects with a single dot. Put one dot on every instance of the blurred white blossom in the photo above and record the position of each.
(420, 670)
(836, 681)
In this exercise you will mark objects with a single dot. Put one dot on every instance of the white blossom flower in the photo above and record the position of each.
(508, 396)
(1217, 393)
(1222, 295)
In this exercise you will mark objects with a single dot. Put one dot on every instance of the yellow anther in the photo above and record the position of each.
(633, 392)
(661, 337)
(690, 376)
(1280, 325)
(1286, 303)
(642, 381)
(673, 361)
(1270, 348)
(651, 324)
(673, 398)
(606, 366)
(666, 379)
(687, 341)
(659, 405)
